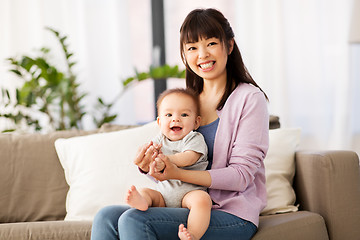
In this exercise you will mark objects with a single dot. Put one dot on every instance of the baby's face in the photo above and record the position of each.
(177, 116)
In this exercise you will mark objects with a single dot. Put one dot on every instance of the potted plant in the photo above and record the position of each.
(48, 91)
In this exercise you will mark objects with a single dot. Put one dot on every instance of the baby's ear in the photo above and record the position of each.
(197, 122)
(158, 121)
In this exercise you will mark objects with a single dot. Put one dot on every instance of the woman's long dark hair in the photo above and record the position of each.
(208, 23)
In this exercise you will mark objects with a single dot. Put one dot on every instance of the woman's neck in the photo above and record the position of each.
(209, 100)
(214, 88)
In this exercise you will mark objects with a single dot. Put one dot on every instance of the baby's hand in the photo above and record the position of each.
(157, 147)
(152, 150)
(159, 165)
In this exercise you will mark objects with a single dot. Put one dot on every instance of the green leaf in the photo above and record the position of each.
(142, 76)
(45, 50)
(13, 61)
(128, 80)
(17, 72)
(101, 101)
(63, 39)
(30, 99)
(27, 63)
(108, 119)
(82, 96)
(161, 72)
(182, 74)
(157, 73)
(9, 130)
(7, 93)
(53, 31)
(17, 95)
(71, 64)
(174, 72)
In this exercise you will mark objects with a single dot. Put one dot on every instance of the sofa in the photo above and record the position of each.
(34, 192)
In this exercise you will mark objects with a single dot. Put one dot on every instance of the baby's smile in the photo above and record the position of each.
(176, 129)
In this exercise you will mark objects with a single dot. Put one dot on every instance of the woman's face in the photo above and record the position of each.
(207, 58)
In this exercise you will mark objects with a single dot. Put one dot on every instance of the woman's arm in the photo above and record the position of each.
(185, 159)
(182, 159)
(171, 171)
(244, 143)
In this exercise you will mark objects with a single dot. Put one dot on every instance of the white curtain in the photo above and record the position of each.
(99, 34)
(298, 51)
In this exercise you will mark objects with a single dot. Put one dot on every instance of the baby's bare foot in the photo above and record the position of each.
(135, 200)
(184, 234)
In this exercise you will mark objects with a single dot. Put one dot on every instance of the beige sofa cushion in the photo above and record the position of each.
(295, 226)
(280, 170)
(328, 182)
(33, 187)
(59, 230)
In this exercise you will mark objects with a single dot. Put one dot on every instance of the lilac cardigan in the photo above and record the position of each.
(241, 143)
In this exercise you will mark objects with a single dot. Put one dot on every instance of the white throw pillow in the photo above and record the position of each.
(99, 168)
(280, 170)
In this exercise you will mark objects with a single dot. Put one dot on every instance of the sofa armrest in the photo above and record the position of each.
(328, 183)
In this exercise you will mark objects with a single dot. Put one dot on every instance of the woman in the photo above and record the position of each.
(235, 126)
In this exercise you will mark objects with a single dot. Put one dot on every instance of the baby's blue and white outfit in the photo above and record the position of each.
(173, 190)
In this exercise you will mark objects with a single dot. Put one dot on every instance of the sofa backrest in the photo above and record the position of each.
(32, 182)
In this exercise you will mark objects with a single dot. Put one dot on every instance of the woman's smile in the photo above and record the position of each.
(207, 66)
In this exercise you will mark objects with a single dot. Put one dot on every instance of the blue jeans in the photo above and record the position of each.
(122, 222)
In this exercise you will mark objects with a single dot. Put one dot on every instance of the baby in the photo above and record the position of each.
(179, 116)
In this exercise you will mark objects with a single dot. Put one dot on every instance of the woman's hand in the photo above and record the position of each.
(171, 171)
(159, 165)
(146, 155)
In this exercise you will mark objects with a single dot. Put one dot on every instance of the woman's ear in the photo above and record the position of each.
(231, 46)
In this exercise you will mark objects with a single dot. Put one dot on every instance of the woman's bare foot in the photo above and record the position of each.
(135, 200)
(184, 234)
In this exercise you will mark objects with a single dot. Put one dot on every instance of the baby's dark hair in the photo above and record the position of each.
(185, 91)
